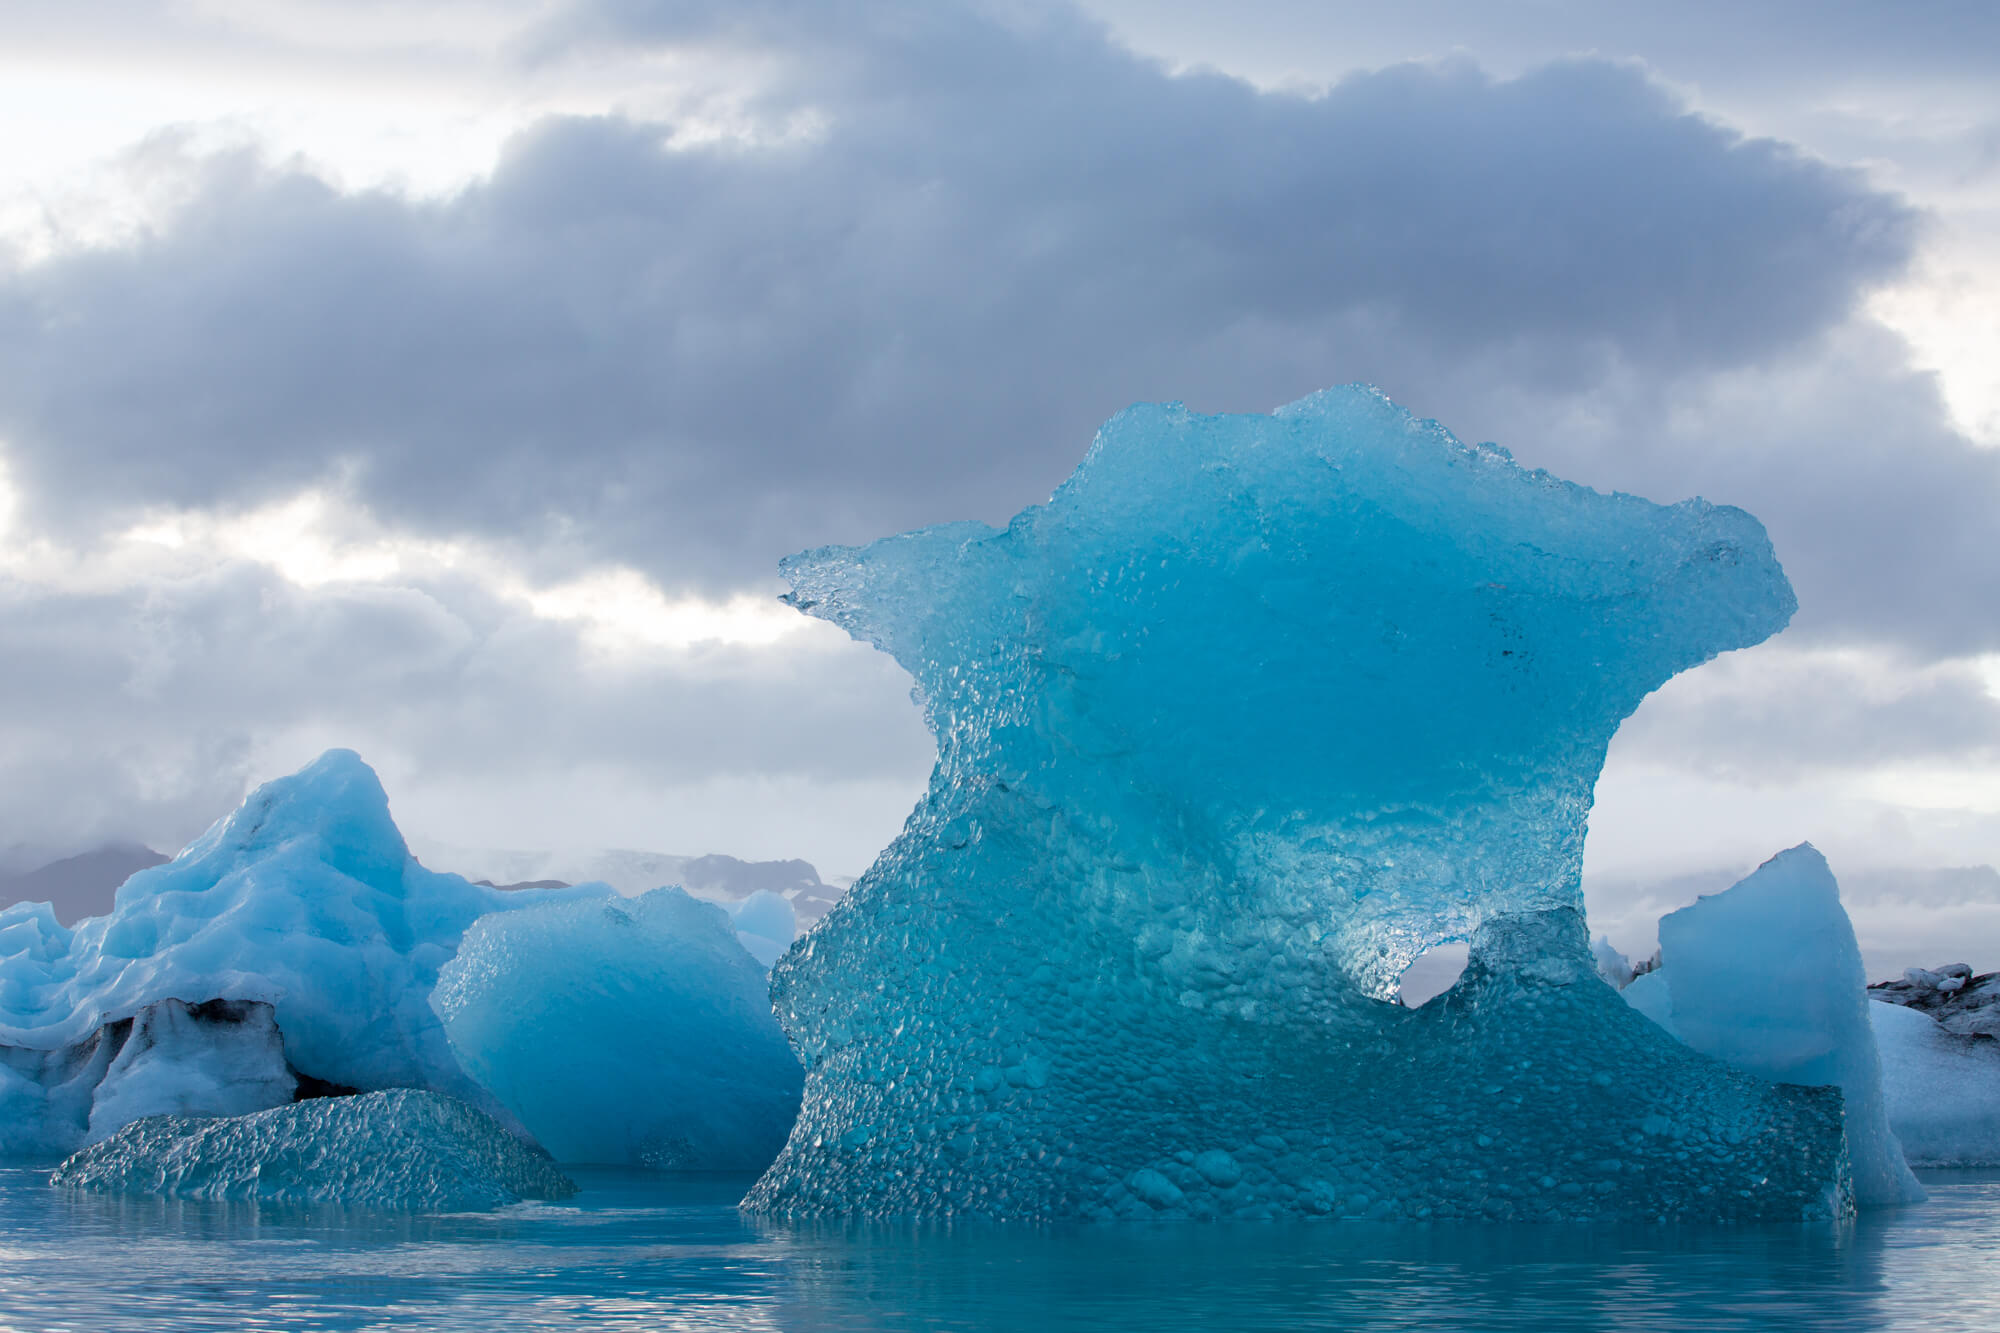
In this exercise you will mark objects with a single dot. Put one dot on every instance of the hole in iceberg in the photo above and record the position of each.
(1432, 973)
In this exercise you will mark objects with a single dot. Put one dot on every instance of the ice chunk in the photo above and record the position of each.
(766, 925)
(1252, 713)
(634, 1031)
(305, 899)
(405, 1150)
(1612, 965)
(220, 1057)
(1649, 995)
(1941, 1088)
(1767, 976)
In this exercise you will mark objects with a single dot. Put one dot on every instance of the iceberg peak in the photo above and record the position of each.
(333, 810)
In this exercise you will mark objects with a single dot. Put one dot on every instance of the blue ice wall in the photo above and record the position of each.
(1252, 712)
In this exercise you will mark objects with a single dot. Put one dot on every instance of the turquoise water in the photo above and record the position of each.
(668, 1253)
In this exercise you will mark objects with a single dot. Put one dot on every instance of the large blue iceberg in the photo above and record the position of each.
(1250, 714)
(632, 1031)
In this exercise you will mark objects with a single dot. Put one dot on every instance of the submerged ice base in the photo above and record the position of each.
(1251, 713)
(404, 1150)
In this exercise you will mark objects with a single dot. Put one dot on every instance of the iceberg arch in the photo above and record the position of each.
(1253, 711)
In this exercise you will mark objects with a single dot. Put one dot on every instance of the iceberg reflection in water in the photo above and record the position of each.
(643, 1251)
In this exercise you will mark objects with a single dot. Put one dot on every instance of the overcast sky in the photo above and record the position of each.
(445, 380)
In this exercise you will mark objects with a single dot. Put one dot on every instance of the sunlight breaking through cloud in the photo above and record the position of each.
(315, 538)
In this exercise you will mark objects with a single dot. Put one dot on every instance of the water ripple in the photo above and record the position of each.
(653, 1252)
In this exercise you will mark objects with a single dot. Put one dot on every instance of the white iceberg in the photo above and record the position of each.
(765, 923)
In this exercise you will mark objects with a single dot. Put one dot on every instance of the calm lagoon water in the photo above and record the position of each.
(658, 1252)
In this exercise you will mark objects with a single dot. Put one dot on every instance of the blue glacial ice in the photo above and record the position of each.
(304, 904)
(1767, 977)
(1251, 713)
(765, 924)
(633, 1031)
(1941, 1089)
(405, 1150)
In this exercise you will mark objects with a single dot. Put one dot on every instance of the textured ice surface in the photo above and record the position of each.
(1251, 713)
(305, 899)
(626, 1031)
(1941, 1088)
(406, 1150)
(1767, 976)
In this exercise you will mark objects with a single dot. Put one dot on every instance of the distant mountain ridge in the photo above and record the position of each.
(714, 877)
(86, 884)
(81, 885)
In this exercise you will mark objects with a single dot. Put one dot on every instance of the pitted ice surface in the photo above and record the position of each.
(1254, 711)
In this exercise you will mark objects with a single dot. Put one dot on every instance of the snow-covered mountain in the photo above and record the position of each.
(81, 885)
(724, 879)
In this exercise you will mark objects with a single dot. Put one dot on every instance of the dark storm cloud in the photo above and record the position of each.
(702, 358)
(1768, 43)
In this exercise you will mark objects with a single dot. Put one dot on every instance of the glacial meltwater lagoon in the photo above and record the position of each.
(662, 1252)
